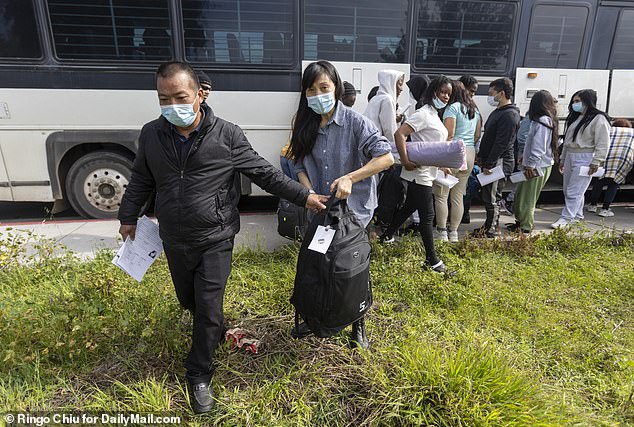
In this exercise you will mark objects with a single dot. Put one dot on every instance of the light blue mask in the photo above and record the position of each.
(438, 103)
(181, 115)
(322, 104)
(577, 107)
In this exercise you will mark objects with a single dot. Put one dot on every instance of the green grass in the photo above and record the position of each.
(530, 332)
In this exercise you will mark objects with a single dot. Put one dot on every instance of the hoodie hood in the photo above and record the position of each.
(387, 82)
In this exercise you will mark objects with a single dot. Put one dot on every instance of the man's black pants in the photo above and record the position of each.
(199, 279)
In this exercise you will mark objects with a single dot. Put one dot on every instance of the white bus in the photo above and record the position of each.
(77, 76)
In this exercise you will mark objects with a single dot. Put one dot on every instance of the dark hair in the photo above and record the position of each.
(468, 80)
(203, 78)
(306, 121)
(434, 87)
(459, 94)
(543, 104)
(503, 84)
(417, 86)
(372, 92)
(170, 69)
(589, 99)
(622, 123)
(348, 89)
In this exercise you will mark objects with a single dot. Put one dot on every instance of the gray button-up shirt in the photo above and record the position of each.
(347, 142)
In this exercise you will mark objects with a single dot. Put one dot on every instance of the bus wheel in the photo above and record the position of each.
(96, 182)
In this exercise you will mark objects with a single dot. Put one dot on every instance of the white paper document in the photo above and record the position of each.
(136, 256)
(583, 171)
(520, 177)
(497, 173)
(322, 239)
(446, 180)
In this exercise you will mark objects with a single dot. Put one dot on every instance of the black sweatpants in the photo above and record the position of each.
(420, 198)
(199, 279)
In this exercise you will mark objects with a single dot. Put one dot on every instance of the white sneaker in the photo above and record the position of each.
(442, 235)
(453, 236)
(561, 222)
(591, 208)
(606, 213)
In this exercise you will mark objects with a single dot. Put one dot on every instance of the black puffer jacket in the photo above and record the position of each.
(196, 200)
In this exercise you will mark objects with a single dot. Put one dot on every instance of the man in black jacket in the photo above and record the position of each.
(498, 141)
(191, 159)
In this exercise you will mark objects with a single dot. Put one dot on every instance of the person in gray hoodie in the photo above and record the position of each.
(586, 143)
(500, 131)
(540, 152)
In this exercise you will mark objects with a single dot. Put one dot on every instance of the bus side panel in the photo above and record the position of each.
(5, 188)
(562, 84)
(622, 94)
(24, 155)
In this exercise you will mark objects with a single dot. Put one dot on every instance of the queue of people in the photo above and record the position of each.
(189, 158)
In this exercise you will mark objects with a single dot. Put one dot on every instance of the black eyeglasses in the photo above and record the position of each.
(205, 87)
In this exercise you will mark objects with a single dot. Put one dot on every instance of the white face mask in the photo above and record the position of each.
(181, 115)
(492, 101)
(438, 103)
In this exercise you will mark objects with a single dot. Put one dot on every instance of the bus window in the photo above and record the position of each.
(464, 35)
(621, 56)
(18, 30)
(555, 37)
(365, 31)
(245, 31)
(131, 30)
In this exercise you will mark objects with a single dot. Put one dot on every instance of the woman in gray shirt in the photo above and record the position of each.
(337, 149)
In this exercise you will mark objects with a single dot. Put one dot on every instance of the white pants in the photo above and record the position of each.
(575, 186)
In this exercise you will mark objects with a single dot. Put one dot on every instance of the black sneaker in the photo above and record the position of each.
(515, 228)
(440, 268)
(385, 238)
(301, 331)
(201, 397)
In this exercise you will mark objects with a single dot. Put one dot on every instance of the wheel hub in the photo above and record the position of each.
(104, 189)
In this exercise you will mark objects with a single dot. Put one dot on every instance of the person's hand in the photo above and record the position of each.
(447, 171)
(530, 173)
(592, 169)
(315, 202)
(486, 171)
(343, 185)
(410, 166)
(127, 230)
(561, 168)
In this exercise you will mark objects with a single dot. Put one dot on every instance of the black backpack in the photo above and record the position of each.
(333, 290)
(292, 220)
(391, 193)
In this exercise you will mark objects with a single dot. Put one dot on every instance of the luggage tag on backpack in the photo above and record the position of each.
(322, 239)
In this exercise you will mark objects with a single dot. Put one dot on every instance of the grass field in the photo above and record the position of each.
(530, 332)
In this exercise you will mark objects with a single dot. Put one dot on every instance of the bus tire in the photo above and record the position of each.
(96, 182)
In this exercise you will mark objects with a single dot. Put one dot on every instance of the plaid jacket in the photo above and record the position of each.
(620, 157)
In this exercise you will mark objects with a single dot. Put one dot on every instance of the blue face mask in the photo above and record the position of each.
(577, 107)
(181, 115)
(438, 103)
(321, 104)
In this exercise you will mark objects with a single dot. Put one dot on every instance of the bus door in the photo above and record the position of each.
(364, 76)
(622, 94)
(562, 84)
(5, 185)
